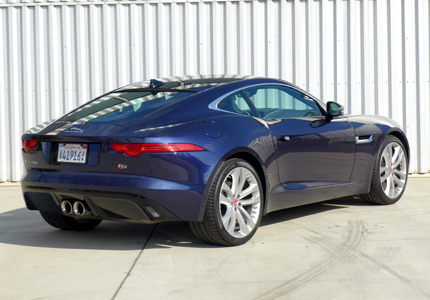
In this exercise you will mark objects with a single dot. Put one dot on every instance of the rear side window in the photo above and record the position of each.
(236, 103)
(123, 105)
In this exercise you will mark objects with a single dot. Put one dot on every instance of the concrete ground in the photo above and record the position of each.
(339, 249)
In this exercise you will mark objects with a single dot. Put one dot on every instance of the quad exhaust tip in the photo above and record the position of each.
(66, 207)
(77, 208)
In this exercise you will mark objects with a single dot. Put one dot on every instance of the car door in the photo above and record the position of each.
(310, 149)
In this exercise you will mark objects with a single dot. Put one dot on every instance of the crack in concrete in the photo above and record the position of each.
(134, 263)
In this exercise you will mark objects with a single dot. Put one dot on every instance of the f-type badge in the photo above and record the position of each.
(75, 130)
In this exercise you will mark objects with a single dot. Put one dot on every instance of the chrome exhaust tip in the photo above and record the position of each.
(80, 209)
(66, 207)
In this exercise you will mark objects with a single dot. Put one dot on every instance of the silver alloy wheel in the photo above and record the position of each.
(392, 170)
(240, 202)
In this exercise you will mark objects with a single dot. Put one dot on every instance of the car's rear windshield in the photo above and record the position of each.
(124, 105)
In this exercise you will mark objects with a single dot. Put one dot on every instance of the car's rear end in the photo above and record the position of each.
(113, 158)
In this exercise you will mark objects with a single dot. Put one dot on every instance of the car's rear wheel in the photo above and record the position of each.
(69, 223)
(390, 173)
(234, 206)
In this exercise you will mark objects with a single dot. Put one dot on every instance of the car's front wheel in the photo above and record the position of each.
(234, 205)
(390, 173)
(69, 223)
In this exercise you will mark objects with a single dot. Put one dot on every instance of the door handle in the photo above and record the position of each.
(285, 138)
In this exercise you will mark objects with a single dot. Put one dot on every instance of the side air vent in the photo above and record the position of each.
(363, 139)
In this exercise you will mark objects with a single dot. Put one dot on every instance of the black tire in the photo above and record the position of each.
(69, 223)
(384, 168)
(242, 215)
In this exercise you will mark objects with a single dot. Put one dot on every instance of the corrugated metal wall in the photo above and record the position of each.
(370, 55)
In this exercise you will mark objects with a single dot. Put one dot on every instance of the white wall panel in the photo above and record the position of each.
(313, 68)
(423, 96)
(370, 55)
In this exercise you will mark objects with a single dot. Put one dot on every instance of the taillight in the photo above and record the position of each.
(136, 149)
(28, 145)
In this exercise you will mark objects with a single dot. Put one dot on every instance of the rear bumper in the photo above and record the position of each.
(106, 206)
(115, 197)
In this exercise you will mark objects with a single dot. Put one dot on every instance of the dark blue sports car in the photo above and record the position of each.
(216, 151)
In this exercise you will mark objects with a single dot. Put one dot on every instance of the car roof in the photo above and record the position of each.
(185, 82)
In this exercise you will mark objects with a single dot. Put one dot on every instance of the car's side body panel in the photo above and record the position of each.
(282, 198)
(313, 151)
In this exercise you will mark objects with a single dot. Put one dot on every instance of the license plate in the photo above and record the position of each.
(72, 153)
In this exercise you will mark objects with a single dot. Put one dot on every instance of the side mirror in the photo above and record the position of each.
(334, 109)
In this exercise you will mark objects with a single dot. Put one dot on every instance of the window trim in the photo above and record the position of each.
(214, 104)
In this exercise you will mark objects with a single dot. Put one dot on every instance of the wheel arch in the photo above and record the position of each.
(251, 159)
(213, 228)
(401, 136)
(255, 163)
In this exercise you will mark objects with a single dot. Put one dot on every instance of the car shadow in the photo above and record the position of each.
(27, 228)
